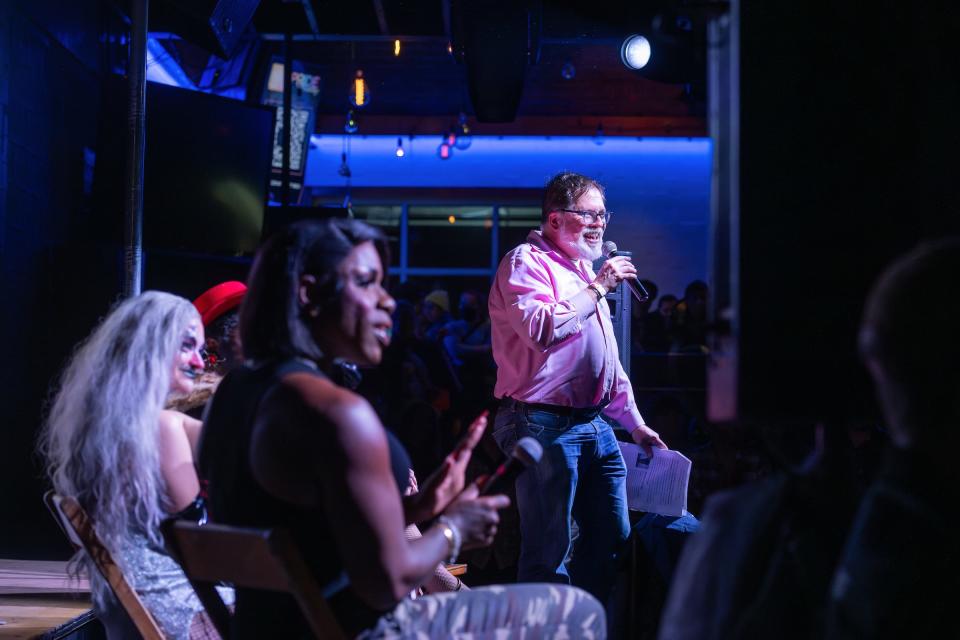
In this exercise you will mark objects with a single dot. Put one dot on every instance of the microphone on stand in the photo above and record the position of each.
(526, 453)
(609, 249)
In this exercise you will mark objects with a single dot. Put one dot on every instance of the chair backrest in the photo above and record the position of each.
(78, 527)
(265, 559)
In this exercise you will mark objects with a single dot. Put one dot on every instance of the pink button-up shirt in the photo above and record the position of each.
(547, 349)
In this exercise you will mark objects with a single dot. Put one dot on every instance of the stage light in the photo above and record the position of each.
(444, 150)
(635, 52)
(359, 91)
(400, 152)
(351, 125)
(396, 48)
(464, 139)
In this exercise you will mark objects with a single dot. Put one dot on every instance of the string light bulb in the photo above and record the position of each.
(598, 138)
(396, 48)
(400, 152)
(463, 137)
(351, 125)
(359, 91)
(444, 150)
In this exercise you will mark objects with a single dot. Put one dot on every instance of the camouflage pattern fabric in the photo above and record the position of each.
(529, 611)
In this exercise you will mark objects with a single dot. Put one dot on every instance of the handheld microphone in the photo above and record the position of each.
(609, 249)
(526, 453)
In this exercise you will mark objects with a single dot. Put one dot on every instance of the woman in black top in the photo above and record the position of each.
(284, 445)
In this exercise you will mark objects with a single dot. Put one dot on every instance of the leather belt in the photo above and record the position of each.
(587, 413)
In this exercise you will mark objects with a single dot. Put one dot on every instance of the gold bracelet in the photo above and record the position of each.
(452, 534)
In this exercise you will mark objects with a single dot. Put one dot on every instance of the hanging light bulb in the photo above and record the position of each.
(351, 125)
(598, 138)
(400, 152)
(344, 169)
(359, 91)
(464, 139)
(444, 150)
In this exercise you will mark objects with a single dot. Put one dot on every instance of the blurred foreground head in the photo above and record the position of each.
(908, 341)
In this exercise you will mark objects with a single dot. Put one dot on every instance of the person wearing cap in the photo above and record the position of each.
(435, 314)
(219, 308)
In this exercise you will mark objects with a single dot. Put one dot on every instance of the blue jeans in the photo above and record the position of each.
(663, 538)
(582, 475)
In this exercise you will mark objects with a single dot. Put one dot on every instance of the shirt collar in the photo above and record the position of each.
(541, 244)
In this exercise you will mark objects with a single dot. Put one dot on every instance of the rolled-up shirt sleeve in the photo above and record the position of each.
(531, 304)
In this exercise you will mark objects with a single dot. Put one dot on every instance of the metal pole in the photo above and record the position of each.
(287, 118)
(136, 143)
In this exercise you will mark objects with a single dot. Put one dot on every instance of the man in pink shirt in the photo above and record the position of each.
(558, 374)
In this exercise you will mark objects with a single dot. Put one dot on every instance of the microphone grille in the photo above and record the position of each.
(608, 247)
(528, 451)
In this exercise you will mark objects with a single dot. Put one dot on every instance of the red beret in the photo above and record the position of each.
(217, 300)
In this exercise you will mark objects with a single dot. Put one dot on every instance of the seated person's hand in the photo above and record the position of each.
(476, 517)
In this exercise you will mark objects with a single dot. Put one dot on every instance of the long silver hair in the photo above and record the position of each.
(100, 438)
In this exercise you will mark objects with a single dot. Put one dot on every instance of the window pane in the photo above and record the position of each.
(387, 219)
(515, 224)
(449, 236)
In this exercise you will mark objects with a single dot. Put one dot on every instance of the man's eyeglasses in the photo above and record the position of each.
(590, 216)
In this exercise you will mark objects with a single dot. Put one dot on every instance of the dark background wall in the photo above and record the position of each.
(56, 278)
(849, 141)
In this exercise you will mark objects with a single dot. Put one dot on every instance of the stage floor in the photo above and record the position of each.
(38, 597)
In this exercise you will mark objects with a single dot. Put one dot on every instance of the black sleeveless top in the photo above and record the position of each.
(236, 498)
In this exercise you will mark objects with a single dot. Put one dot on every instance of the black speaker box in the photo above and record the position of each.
(496, 40)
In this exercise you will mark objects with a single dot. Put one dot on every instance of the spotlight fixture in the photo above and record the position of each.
(351, 125)
(400, 152)
(396, 48)
(635, 52)
(444, 150)
(464, 139)
(359, 91)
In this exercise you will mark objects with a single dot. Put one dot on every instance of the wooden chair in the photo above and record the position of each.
(76, 524)
(253, 558)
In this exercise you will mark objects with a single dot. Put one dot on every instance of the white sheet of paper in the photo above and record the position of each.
(657, 484)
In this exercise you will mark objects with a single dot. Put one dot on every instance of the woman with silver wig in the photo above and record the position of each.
(109, 443)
